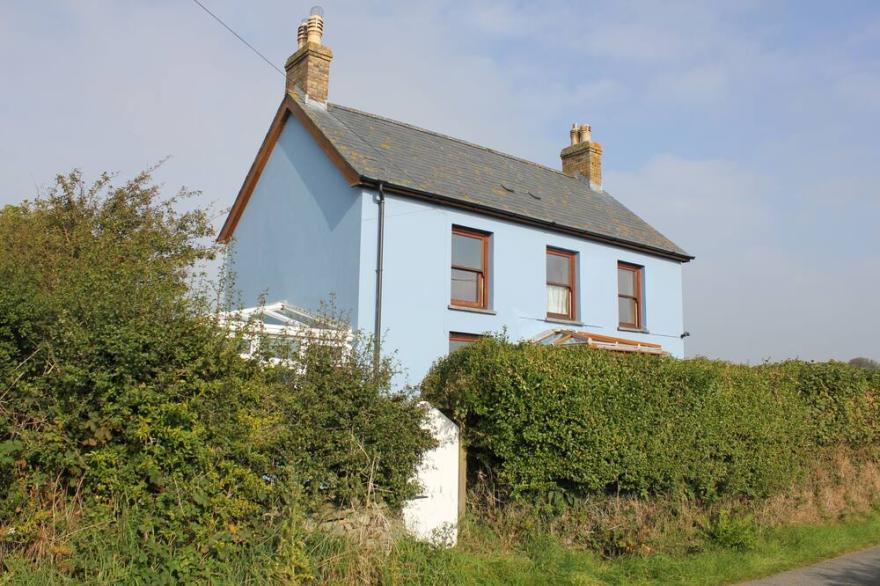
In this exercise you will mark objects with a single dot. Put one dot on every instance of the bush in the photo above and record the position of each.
(125, 405)
(348, 438)
(545, 419)
(730, 532)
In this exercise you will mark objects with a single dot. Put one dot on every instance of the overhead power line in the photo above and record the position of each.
(239, 37)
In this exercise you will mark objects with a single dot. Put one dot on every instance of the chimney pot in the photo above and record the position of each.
(315, 26)
(573, 134)
(301, 34)
(585, 133)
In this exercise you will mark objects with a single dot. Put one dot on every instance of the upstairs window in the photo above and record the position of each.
(629, 295)
(470, 268)
(561, 293)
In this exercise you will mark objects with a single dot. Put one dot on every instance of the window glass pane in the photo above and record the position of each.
(282, 346)
(558, 300)
(626, 282)
(465, 286)
(456, 344)
(627, 310)
(467, 251)
(558, 269)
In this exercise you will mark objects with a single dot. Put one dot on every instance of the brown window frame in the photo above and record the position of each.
(572, 287)
(637, 270)
(464, 337)
(483, 302)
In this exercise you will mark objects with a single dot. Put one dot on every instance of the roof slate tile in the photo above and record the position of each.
(399, 154)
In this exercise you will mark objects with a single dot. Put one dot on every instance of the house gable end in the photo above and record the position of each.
(288, 107)
(298, 239)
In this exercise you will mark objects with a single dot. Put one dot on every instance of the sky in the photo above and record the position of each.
(745, 131)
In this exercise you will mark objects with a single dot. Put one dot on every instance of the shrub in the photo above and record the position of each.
(125, 404)
(348, 438)
(578, 420)
(731, 532)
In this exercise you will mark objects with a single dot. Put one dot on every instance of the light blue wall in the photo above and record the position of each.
(415, 315)
(299, 236)
(306, 234)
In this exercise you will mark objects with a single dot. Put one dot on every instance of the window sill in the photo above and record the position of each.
(559, 320)
(632, 330)
(471, 309)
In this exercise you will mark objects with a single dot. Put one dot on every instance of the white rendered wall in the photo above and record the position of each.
(433, 516)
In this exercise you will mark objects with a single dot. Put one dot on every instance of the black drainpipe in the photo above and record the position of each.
(380, 263)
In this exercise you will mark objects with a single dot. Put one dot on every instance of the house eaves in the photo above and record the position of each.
(413, 162)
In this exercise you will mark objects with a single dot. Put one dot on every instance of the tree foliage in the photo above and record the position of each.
(863, 362)
(123, 398)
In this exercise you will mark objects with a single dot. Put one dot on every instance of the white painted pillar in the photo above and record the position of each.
(433, 515)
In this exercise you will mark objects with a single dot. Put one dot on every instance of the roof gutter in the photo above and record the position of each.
(433, 197)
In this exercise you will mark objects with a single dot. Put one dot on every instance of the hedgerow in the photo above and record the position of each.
(126, 409)
(581, 421)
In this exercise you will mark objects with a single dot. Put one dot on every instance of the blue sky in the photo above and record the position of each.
(746, 131)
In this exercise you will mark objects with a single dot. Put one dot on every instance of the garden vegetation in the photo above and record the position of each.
(638, 454)
(546, 420)
(136, 444)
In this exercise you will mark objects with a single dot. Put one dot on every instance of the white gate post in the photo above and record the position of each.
(433, 515)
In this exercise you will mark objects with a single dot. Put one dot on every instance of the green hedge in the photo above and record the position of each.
(579, 420)
(124, 405)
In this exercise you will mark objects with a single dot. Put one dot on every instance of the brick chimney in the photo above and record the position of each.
(584, 156)
(309, 68)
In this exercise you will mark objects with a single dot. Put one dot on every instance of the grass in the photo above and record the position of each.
(776, 550)
(544, 560)
(835, 510)
(481, 559)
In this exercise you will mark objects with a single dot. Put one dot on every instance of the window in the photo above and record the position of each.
(460, 340)
(470, 268)
(561, 292)
(629, 295)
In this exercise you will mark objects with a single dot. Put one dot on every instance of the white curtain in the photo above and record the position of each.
(557, 299)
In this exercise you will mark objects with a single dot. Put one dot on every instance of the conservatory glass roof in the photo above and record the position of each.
(578, 338)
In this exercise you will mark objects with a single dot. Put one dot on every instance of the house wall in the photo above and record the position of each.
(416, 318)
(298, 239)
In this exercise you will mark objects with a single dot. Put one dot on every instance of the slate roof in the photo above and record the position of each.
(405, 156)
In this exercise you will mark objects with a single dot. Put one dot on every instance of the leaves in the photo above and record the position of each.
(578, 420)
(120, 392)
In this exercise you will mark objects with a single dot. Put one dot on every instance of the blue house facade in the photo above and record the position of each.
(432, 241)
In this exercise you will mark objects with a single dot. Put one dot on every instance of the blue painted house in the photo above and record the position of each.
(433, 241)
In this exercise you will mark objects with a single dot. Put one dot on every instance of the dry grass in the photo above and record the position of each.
(366, 544)
(351, 545)
(839, 483)
(46, 526)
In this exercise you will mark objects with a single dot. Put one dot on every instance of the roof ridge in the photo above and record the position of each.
(452, 138)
